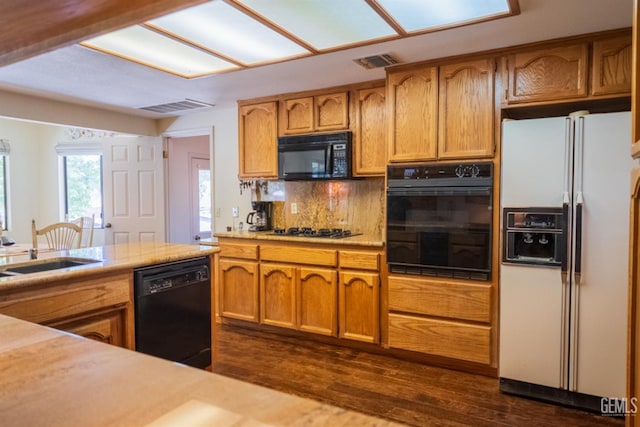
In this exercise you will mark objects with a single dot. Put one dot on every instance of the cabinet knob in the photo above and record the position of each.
(107, 225)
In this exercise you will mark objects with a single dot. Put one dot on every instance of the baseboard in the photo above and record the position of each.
(585, 402)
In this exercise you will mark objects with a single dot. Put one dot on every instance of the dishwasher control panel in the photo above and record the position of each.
(171, 277)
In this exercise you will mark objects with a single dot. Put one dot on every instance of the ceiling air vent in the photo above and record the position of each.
(174, 107)
(376, 61)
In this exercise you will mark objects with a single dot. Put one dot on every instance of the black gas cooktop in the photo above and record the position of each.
(331, 233)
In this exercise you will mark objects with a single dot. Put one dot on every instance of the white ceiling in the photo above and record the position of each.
(84, 76)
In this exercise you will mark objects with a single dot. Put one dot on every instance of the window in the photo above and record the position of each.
(83, 186)
(4, 184)
(3, 190)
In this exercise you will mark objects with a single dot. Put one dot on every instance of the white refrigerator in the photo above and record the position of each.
(563, 336)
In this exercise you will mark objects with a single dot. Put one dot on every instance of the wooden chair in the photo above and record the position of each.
(86, 223)
(61, 235)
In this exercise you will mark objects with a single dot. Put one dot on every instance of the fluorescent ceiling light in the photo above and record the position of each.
(420, 15)
(147, 47)
(219, 35)
(227, 31)
(324, 24)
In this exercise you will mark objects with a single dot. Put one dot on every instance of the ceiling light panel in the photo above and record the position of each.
(225, 30)
(147, 47)
(420, 15)
(324, 24)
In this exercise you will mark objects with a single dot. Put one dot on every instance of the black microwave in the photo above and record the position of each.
(315, 156)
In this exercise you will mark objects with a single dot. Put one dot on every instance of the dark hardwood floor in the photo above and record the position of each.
(406, 392)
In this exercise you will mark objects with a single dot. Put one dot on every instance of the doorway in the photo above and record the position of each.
(189, 184)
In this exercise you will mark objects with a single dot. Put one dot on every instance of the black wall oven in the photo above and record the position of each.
(439, 219)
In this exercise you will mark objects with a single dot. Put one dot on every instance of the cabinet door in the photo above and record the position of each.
(238, 281)
(548, 74)
(331, 111)
(413, 107)
(258, 133)
(611, 72)
(318, 301)
(278, 295)
(359, 310)
(466, 110)
(370, 140)
(296, 115)
(105, 327)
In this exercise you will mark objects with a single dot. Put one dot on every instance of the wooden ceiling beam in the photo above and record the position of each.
(33, 27)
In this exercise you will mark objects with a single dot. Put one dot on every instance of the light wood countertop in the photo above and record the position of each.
(358, 240)
(111, 258)
(54, 378)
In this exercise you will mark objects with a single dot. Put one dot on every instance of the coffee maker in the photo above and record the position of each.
(260, 218)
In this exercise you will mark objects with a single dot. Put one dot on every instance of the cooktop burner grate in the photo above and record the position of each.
(331, 233)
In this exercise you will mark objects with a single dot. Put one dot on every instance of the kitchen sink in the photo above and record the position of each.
(46, 265)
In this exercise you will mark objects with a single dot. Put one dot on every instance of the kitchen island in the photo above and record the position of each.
(93, 299)
(54, 378)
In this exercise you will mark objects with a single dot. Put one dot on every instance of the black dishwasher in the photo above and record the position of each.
(173, 311)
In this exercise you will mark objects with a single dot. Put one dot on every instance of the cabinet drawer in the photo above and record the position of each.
(438, 298)
(239, 250)
(298, 255)
(360, 260)
(440, 337)
(65, 299)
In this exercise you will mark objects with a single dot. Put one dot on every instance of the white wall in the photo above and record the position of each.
(24, 176)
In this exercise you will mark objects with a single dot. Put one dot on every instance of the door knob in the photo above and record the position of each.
(107, 225)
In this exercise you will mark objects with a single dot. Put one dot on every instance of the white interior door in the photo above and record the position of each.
(188, 165)
(133, 188)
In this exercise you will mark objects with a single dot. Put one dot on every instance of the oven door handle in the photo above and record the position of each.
(440, 191)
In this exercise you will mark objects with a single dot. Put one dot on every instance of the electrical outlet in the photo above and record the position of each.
(218, 212)
(235, 212)
(294, 208)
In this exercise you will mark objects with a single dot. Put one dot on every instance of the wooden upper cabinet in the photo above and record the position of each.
(258, 134)
(412, 102)
(332, 112)
(296, 115)
(370, 137)
(317, 113)
(466, 109)
(611, 73)
(548, 74)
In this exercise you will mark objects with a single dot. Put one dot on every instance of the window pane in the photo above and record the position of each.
(3, 191)
(204, 204)
(83, 184)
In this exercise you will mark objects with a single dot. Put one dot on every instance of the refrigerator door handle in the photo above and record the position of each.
(578, 250)
(563, 242)
(568, 150)
(577, 269)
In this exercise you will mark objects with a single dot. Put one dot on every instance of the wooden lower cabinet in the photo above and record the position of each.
(98, 307)
(238, 281)
(318, 301)
(278, 295)
(303, 298)
(105, 327)
(445, 318)
(359, 311)
(440, 337)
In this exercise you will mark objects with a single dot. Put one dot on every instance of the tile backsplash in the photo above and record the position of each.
(357, 205)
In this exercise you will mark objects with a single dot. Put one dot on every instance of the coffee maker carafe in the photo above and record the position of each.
(260, 218)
